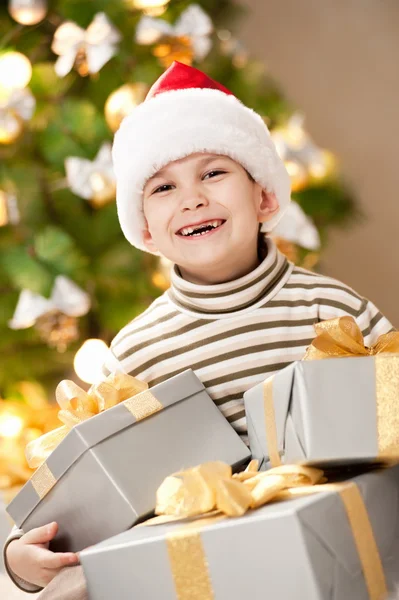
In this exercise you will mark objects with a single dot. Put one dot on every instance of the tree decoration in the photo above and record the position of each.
(15, 71)
(121, 102)
(16, 107)
(153, 8)
(297, 237)
(161, 277)
(89, 360)
(25, 414)
(9, 212)
(92, 180)
(298, 228)
(88, 50)
(185, 41)
(231, 46)
(27, 12)
(55, 318)
(303, 159)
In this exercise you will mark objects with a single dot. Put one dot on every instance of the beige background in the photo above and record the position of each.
(337, 60)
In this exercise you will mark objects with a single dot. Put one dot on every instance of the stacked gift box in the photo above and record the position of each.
(318, 521)
(294, 548)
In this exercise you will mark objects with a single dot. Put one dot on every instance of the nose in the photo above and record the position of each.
(193, 201)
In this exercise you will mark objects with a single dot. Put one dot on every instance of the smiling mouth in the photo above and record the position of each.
(201, 229)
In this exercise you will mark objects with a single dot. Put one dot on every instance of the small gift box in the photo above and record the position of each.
(102, 476)
(335, 411)
(315, 541)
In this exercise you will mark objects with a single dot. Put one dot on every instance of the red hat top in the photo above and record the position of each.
(182, 77)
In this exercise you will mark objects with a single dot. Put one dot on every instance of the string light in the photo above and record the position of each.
(15, 71)
(27, 12)
(10, 425)
(121, 102)
(153, 8)
(89, 359)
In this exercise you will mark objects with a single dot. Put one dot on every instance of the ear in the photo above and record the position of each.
(268, 206)
(149, 242)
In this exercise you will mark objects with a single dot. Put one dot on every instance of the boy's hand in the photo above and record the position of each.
(30, 558)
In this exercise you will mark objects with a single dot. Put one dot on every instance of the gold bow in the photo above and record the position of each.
(342, 337)
(212, 487)
(78, 406)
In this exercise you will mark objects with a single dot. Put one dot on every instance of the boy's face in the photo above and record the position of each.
(203, 213)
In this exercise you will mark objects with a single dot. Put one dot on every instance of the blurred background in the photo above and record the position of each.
(335, 62)
(323, 76)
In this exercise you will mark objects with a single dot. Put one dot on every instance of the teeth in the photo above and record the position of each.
(187, 230)
(190, 230)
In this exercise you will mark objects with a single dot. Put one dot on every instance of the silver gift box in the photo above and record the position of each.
(297, 549)
(5, 529)
(327, 412)
(108, 468)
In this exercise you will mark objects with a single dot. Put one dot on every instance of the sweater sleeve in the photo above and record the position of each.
(19, 582)
(111, 364)
(372, 322)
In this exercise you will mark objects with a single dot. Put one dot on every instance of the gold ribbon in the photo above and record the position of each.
(212, 487)
(43, 480)
(270, 423)
(342, 337)
(77, 406)
(387, 394)
(364, 540)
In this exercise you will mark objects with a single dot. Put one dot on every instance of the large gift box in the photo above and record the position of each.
(102, 477)
(329, 542)
(332, 411)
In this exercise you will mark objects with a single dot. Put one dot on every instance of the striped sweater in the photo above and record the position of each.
(235, 334)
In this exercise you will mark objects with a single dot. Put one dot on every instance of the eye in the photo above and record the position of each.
(163, 188)
(214, 173)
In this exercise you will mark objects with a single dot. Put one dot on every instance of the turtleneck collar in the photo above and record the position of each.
(235, 297)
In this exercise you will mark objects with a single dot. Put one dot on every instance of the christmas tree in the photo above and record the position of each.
(69, 72)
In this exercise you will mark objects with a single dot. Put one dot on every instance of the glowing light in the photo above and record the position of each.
(15, 70)
(297, 175)
(121, 102)
(89, 360)
(153, 8)
(28, 12)
(10, 425)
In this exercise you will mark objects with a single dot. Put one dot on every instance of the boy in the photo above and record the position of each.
(197, 176)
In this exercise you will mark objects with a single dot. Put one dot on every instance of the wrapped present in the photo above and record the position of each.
(5, 528)
(310, 540)
(102, 470)
(6, 523)
(335, 411)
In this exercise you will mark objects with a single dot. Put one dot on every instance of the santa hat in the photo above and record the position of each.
(185, 112)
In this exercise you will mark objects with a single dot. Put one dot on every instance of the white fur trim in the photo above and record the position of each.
(176, 124)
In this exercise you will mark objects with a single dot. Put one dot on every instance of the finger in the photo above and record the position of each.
(57, 560)
(40, 535)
